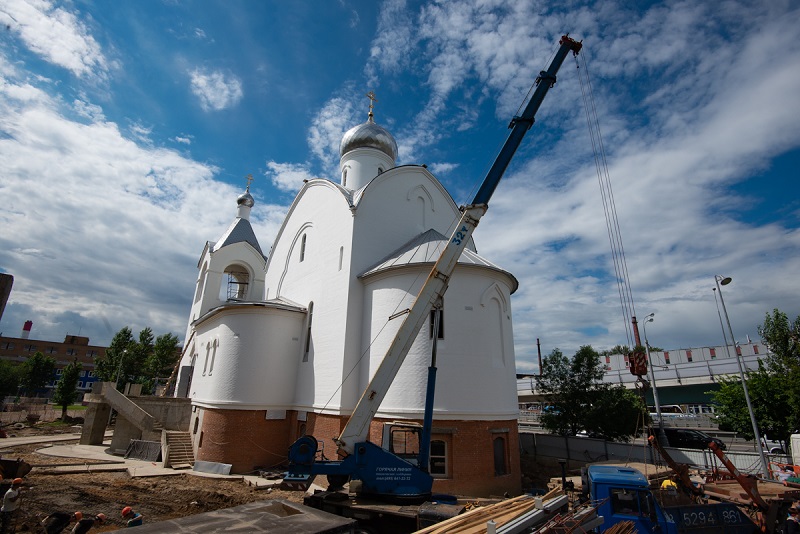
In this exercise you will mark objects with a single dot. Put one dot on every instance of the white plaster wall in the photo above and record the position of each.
(390, 213)
(394, 208)
(476, 376)
(322, 213)
(255, 363)
(362, 165)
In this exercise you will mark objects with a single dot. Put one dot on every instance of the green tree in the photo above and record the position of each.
(36, 372)
(66, 391)
(581, 401)
(774, 387)
(782, 337)
(623, 349)
(9, 379)
(133, 366)
(160, 361)
(616, 349)
(137, 361)
(616, 413)
(107, 366)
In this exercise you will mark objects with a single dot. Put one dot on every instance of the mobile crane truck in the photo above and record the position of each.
(382, 473)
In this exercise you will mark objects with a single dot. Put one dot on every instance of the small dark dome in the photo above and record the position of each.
(369, 135)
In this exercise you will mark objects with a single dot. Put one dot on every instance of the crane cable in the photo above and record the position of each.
(609, 206)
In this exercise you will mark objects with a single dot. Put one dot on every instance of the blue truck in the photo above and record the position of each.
(624, 494)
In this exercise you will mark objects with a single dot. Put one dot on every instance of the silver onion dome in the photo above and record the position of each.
(369, 135)
(245, 199)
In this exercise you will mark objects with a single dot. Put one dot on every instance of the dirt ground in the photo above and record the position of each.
(156, 498)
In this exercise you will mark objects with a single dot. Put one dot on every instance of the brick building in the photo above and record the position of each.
(19, 349)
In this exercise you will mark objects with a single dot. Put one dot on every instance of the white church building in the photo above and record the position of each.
(282, 345)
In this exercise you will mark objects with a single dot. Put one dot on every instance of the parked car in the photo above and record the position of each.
(688, 438)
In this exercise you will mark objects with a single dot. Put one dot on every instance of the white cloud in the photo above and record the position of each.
(88, 110)
(327, 127)
(288, 176)
(395, 38)
(183, 139)
(109, 226)
(442, 167)
(140, 132)
(55, 34)
(215, 90)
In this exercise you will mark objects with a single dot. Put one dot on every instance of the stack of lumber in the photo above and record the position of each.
(624, 527)
(502, 513)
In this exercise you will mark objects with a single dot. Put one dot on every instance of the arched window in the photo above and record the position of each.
(213, 356)
(236, 284)
(441, 324)
(499, 450)
(308, 332)
(344, 178)
(341, 257)
(208, 355)
(201, 281)
(303, 248)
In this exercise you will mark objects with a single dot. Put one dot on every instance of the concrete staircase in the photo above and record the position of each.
(176, 449)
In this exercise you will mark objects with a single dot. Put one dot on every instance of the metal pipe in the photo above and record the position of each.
(764, 467)
(649, 319)
(719, 313)
(662, 436)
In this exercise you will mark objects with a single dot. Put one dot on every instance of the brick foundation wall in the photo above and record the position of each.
(471, 465)
(244, 438)
(470, 453)
(470, 447)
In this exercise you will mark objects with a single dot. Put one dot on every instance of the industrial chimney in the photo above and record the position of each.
(26, 330)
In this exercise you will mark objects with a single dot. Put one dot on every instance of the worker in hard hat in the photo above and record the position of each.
(134, 519)
(10, 505)
(85, 524)
(58, 521)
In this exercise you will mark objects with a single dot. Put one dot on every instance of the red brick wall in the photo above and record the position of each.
(471, 459)
(244, 438)
(470, 454)
(247, 440)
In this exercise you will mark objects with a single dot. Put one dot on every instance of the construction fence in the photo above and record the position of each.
(31, 410)
(579, 451)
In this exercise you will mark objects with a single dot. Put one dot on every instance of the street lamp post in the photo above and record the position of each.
(649, 319)
(719, 314)
(119, 368)
(725, 280)
(662, 438)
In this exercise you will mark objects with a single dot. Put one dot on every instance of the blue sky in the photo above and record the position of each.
(127, 128)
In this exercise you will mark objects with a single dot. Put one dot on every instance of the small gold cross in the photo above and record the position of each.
(372, 100)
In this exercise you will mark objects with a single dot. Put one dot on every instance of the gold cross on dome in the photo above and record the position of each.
(372, 100)
(249, 179)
